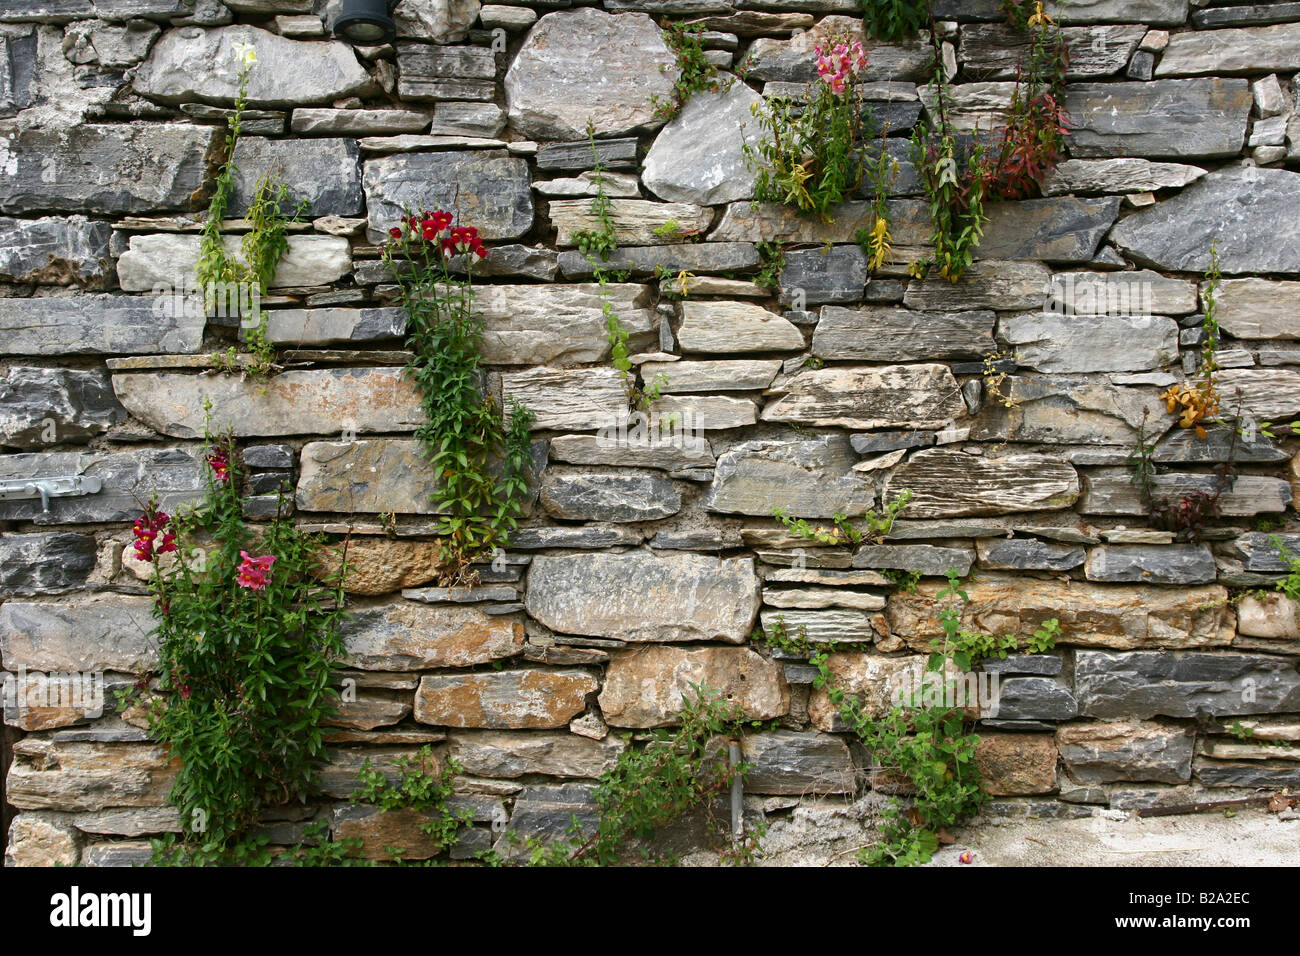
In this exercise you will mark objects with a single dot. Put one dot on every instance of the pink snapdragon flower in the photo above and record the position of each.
(838, 66)
(254, 573)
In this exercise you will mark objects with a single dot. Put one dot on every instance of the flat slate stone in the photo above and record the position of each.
(55, 251)
(645, 596)
(1126, 750)
(409, 636)
(296, 402)
(891, 396)
(945, 482)
(326, 173)
(490, 190)
(583, 155)
(1184, 446)
(1032, 698)
(798, 763)
(427, 72)
(994, 51)
(636, 222)
(1260, 552)
(1084, 176)
(926, 558)
(715, 326)
(1258, 308)
(619, 497)
(987, 284)
(713, 375)
(48, 563)
(671, 259)
(1253, 213)
(883, 334)
(811, 478)
(1028, 554)
(323, 121)
(1065, 230)
(1067, 410)
(524, 699)
(1140, 293)
(18, 60)
(1048, 342)
(569, 399)
(1152, 564)
(101, 168)
(793, 60)
(193, 63)
(95, 325)
(555, 84)
(1252, 50)
(102, 632)
(1158, 119)
(334, 326)
(1144, 684)
(644, 450)
(814, 276)
(45, 406)
(165, 263)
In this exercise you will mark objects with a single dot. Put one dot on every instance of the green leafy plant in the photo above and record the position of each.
(905, 581)
(954, 190)
(423, 787)
(695, 72)
(964, 647)
(483, 461)
(249, 640)
(602, 240)
(1200, 401)
(809, 155)
(877, 524)
(876, 242)
(894, 20)
(772, 256)
(674, 773)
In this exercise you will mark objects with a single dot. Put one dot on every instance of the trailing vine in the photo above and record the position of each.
(878, 525)
(249, 641)
(482, 461)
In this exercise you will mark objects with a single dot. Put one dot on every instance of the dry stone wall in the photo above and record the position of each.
(646, 562)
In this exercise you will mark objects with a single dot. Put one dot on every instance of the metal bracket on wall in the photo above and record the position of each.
(15, 489)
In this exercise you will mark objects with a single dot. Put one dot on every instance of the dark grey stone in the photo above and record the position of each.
(704, 257)
(268, 456)
(1028, 554)
(47, 406)
(1270, 774)
(55, 251)
(95, 325)
(797, 763)
(324, 172)
(493, 190)
(814, 276)
(17, 67)
(1042, 665)
(1184, 446)
(1160, 119)
(1142, 66)
(873, 443)
(1062, 229)
(45, 563)
(113, 169)
(884, 334)
(546, 812)
(1259, 550)
(445, 72)
(1152, 564)
(1252, 214)
(1240, 16)
(1035, 698)
(1143, 684)
(926, 558)
(1147, 756)
(612, 153)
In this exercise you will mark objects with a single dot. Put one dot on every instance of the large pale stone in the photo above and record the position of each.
(713, 375)
(191, 63)
(485, 188)
(1117, 175)
(55, 775)
(635, 222)
(1251, 50)
(1144, 684)
(1140, 293)
(1258, 308)
(1159, 119)
(82, 633)
(410, 636)
(100, 168)
(717, 326)
(946, 483)
(878, 682)
(1159, 13)
(578, 399)
(1252, 215)
(648, 686)
(560, 324)
(813, 478)
(699, 157)
(1110, 491)
(370, 475)
(314, 401)
(891, 396)
(1067, 410)
(37, 841)
(464, 73)
(41, 406)
(1270, 394)
(439, 21)
(1122, 750)
(489, 753)
(887, 334)
(98, 324)
(526, 699)
(55, 251)
(1049, 342)
(165, 262)
(560, 80)
(382, 565)
(645, 595)
(1116, 616)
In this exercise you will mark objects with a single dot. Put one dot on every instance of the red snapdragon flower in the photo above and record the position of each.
(254, 572)
(219, 462)
(463, 239)
(146, 529)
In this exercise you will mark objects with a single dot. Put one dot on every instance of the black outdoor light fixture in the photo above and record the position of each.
(365, 23)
